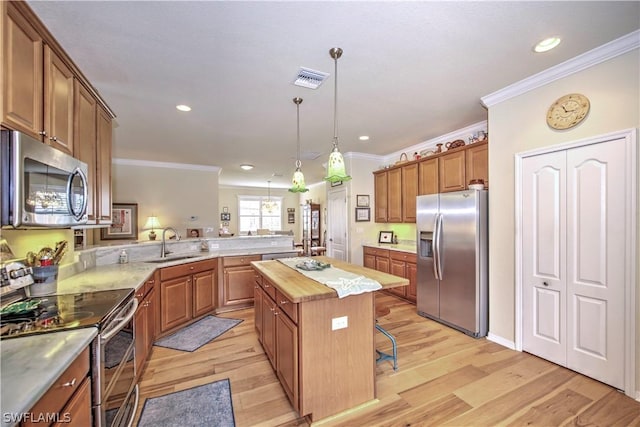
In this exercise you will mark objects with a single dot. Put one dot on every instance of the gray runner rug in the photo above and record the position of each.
(194, 336)
(206, 405)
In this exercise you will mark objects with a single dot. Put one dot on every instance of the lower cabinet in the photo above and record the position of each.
(394, 262)
(238, 281)
(278, 334)
(377, 259)
(187, 291)
(69, 396)
(145, 322)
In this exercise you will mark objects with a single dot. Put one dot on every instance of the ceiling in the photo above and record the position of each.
(411, 71)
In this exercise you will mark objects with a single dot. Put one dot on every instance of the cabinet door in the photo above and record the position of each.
(287, 356)
(382, 264)
(370, 261)
(175, 302)
(397, 268)
(269, 329)
(409, 192)
(58, 102)
(412, 275)
(451, 170)
(381, 203)
(140, 330)
(428, 177)
(477, 158)
(204, 292)
(79, 408)
(238, 285)
(22, 74)
(103, 163)
(394, 195)
(85, 141)
(258, 295)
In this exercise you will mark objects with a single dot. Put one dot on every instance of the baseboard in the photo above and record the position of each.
(638, 395)
(502, 341)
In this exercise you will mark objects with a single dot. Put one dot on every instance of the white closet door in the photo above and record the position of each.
(596, 180)
(543, 256)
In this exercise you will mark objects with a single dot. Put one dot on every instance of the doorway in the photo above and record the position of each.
(337, 233)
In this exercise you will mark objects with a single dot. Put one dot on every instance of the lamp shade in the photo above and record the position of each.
(298, 185)
(336, 170)
(152, 223)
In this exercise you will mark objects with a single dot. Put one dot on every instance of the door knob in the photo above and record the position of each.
(545, 283)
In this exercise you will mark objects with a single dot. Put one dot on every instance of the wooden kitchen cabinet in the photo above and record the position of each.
(477, 162)
(85, 147)
(257, 304)
(380, 191)
(451, 172)
(398, 268)
(103, 164)
(187, 292)
(58, 102)
(428, 177)
(409, 192)
(398, 263)
(69, 396)
(145, 323)
(394, 195)
(376, 258)
(238, 281)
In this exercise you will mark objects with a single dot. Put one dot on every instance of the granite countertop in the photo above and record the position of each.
(31, 365)
(402, 247)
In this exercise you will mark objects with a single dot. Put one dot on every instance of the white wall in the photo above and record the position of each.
(519, 124)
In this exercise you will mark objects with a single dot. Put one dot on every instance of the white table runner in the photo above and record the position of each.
(344, 282)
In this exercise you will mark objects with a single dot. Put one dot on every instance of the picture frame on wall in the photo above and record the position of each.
(225, 216)
(363, 214)
(362, 200)
(194, 233)
(124, 225)
(385, 237)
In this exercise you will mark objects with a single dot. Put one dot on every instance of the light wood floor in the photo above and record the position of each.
(444, 378)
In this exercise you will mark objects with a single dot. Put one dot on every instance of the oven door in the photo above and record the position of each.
(115, 391)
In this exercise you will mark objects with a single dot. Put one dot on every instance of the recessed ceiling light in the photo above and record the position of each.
(246, 166)
(547, 44)
(183, 107)
(363, 138)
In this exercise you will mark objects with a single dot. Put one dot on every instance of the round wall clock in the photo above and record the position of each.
(568, 111)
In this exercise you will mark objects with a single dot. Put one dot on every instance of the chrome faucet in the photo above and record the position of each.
(163, 249)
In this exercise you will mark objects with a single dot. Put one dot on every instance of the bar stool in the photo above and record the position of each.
(383, 311)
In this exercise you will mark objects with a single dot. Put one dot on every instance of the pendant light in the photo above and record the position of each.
(336, 171)
(298, 185)
(267, 205)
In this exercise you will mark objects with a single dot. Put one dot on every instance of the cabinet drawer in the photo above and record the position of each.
(231, 261)
(376, 251)
(61, 391)
(187, 269)
(287, 306)
(402, 256)
(269, 288)
(258, 279)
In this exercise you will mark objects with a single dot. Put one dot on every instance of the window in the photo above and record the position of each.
(259, 212)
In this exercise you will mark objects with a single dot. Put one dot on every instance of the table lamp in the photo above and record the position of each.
(151, 224)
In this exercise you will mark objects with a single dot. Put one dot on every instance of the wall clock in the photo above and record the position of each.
(568, 111)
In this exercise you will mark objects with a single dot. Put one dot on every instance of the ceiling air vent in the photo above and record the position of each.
(309, 78)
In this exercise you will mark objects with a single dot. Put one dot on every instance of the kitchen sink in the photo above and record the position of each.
(170, 259)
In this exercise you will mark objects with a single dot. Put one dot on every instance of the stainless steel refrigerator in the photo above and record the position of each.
(453, 260)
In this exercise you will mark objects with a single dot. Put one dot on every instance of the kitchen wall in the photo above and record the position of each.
(180, 195)
(518, 124)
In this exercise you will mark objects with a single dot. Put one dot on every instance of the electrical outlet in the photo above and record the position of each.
(339, 323)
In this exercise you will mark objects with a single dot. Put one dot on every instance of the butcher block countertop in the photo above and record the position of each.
(299, 288)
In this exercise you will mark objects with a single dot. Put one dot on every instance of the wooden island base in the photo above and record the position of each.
(323, 367)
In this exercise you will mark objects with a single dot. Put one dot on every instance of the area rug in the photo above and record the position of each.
(194, 336)
(205, 405)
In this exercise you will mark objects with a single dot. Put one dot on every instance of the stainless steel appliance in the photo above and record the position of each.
(114, 392)
(41, 186)
(453, 260)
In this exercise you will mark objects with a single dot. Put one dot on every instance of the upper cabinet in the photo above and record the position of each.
(47, 97)
(396, 188)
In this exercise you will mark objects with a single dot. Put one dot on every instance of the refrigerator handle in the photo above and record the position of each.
(437, 262)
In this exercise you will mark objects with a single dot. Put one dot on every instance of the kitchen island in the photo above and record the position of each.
(322, 347)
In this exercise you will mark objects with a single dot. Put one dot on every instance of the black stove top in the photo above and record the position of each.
(55, 313)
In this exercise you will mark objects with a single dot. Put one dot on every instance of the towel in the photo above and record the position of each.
(343, 282)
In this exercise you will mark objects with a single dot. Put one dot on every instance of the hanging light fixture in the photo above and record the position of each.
(268, 205)
(335, 167)
(298, 177)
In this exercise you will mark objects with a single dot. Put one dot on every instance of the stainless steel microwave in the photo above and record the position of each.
(41, 186)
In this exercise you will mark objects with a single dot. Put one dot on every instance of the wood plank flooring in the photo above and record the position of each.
(444, 378)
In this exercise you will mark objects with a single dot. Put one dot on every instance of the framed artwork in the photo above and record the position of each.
(362, 200)
(225, 216)
(124, 225)
(363, 214)
(194, 233)
(225, 209)
(385, 237)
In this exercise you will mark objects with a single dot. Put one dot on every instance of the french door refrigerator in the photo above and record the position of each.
(453, 260)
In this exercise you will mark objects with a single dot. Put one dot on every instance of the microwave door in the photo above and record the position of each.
(77, 194)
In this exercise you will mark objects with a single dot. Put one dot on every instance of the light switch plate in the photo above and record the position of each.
(339, 323)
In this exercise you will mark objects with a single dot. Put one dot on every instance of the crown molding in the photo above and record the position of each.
(581, 62)
(165, 165)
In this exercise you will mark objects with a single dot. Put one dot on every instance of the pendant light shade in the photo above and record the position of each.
(269, 206)
(298, 185)
(336, 170)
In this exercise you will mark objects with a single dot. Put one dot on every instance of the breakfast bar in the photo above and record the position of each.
(321, 347)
